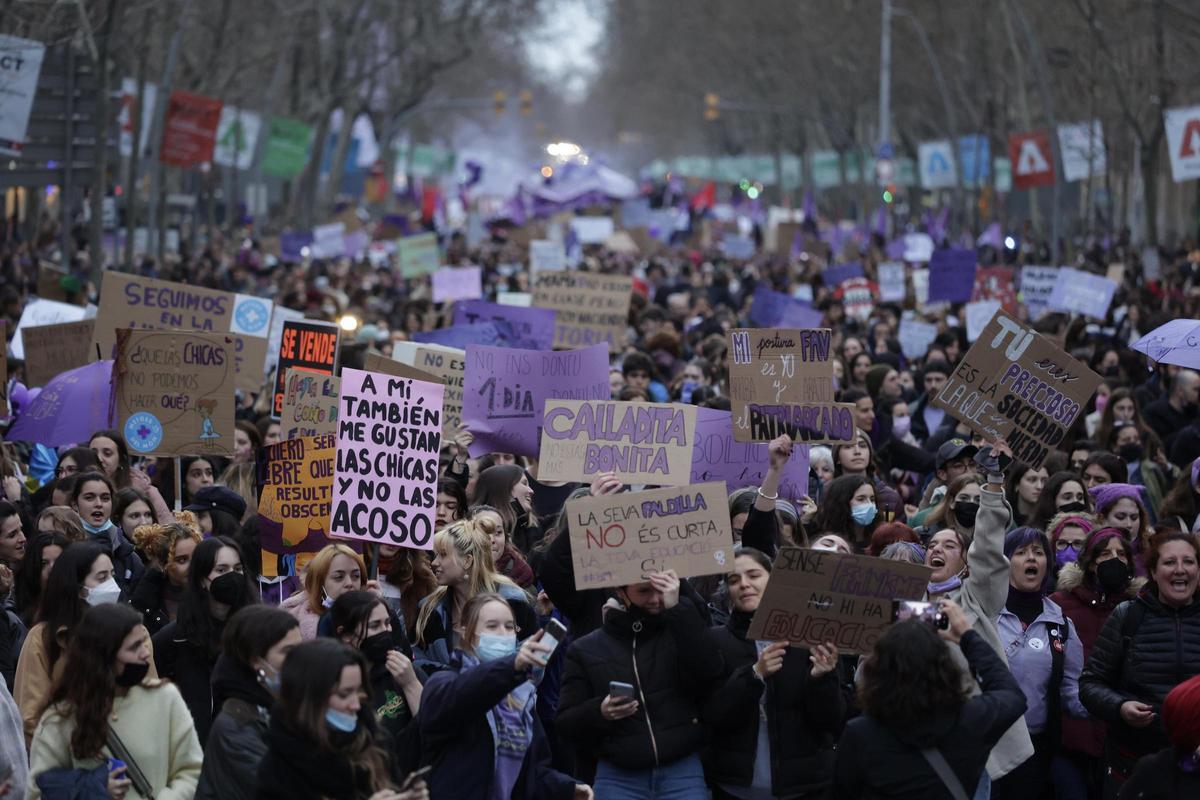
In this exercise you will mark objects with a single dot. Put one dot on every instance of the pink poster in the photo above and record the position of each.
(389, 435)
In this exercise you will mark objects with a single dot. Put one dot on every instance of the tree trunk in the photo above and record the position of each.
(338, 168)
(1149, 164)
(100, 175)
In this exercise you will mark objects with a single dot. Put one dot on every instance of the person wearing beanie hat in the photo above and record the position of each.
(1172, 773)
(1120, 505)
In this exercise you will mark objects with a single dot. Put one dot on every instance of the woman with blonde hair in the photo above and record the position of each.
(333, 571)
(464, 568)
(168, 552)
(240, 477)
(506, 558)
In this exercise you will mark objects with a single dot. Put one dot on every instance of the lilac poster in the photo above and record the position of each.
(837, 273)
(717, 457)
(505, 392)
(951, 275)
(772, 309)
(460, 335)
(523, 328)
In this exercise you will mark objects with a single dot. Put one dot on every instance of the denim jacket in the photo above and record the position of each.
(1030, 658)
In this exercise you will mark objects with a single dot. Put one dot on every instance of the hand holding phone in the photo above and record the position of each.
(620, 702)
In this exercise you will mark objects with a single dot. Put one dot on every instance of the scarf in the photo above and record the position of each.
(1026, 605)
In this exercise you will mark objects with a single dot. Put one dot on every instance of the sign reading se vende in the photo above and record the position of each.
(306, 345)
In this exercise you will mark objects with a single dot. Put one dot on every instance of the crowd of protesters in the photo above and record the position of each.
(143, 655)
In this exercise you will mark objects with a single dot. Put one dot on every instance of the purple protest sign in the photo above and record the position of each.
(716, 456)
(505, 392)
(523, 328)
(460, 335)
(951, 275)
(773, 309)
(834, 275)
(386, 471)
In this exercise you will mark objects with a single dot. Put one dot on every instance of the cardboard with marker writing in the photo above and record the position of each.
(589, 309)
(295, 488)
(1015, 384)
(306, 345)
(309, 405)
(54, 349)
(619, 539)
(817, 596)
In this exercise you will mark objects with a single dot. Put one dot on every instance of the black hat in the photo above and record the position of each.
(221, 498)
(953, 449)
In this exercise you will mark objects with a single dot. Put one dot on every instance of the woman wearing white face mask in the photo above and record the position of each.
(81, 577)
(478, 722)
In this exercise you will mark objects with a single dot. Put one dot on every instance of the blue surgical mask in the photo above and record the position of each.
(341, 721)
(268, 678)
(864, 514)
(94, 531)
(493, 646)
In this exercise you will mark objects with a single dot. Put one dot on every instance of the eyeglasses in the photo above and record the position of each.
(1063, 544)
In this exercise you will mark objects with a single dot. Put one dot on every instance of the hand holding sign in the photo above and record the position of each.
(770, 660)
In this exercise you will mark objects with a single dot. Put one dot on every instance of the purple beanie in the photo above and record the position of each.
(1107, 494)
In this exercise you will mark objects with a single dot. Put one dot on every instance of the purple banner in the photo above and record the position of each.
(717, 457)
(951, 275)
(772, 309)
(523, 328)
(460, 335)
(505, 392)
(834, 275)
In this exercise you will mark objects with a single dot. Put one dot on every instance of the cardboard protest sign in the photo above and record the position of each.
(771, 309)
(309, 404)
(131, 301)
(619, 539)
(648, 443)
(915, 337)
(1014, 384)
(505, 392)
(457, 283)
(1080, 292)
(1037, 284)
(377, 362)
(892, 285)
(43, 312)
(385, 476)
(53, 349)
(50, 282)
(951, 275)
(306, 345)
(418, 255)
(547, 255)
(717, 456)
(996, 283)
(588, 308)
(787, 234)
(817, 596)
(522, 328)
(173, 392)
(781, 382)
(295, 490)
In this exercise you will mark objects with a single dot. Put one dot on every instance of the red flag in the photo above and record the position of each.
(190, 131)
(430, 197)
(705, 198)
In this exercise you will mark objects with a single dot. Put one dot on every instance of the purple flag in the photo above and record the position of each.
(896, 249)
(717, 457)
(809, 209)
(951, 275)
(524, 328)
(834, 275)
(505, 392)
(991, 236)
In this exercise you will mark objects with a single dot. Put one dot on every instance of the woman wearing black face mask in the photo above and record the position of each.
(362, 621)
(1064, 492)
(1139, 448)
(957, 510)
(186, 650)
(1088, 591)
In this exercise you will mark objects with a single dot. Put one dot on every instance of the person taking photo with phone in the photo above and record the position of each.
(479, 728)
(647, 735)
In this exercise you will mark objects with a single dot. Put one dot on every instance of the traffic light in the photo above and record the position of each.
(498, 98)
(712, 106)
(889, 193)
(526, 97)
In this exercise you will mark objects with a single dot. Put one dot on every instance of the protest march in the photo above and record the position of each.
(599, 400)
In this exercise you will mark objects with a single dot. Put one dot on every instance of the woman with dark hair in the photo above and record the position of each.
(218, 510)
(451, 502)
(186, 650)
(1103, 467)
(858, 458)
(81, 577)
(245, 681)
(1064, 491)
(109, 447)
(77, 460)
(132, 509)
(168, 550)
(1182, 503)
(12, 537)
(362, 621)
(196, 472)
(322, 741)
(246, 442)
(848, 508)
(789, 695)
(1119, 505)
(1148, 645)
(478, 724)
(506, 488)
(91, 497)
(1089, 589)
(1144, 462)
(914, 700)
(31, 580)
(1121, 406)
(957, 510)
(1023, 489)
(109, 692)
(405, 579)
(1045, 655)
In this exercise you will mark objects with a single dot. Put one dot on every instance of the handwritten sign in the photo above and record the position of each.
(781, 382)
(174, 392)
(522, 328)
(505, 392)
(309, 404)
(43, 312)
(717, 456)
(385, 477)
(589, 309)
(816, 596)
(649, 443)
(1080, 292)
(295, 479)
(418, 255)
(1015, 384)
(1037, 284)
(915, 337)
(619, 539)
(132, 301)
(892, 284)
(547, 255)
(54, 349)
(457, 283)
(306, 345)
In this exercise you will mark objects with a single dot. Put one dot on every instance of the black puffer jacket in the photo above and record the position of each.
(804, 717)
(1161, 651)
(672, 662)
(237, 740)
